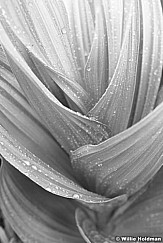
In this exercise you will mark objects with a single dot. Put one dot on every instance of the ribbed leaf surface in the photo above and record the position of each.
(125, 162)
(145, 216)
(115, 105)
(34, 214)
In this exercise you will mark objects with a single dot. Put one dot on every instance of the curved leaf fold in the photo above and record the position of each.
(125, 162)
(41, 172)
(81, 23)
(24, 124)
(115, 24)
(34, 214)
(145, 216)
(88, 229)
(114, 107)
(70, 129)
(96, 68)
(48, 37)
(72, 89)
(152, 57)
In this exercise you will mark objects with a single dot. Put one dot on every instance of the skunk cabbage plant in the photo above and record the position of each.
(81, 119)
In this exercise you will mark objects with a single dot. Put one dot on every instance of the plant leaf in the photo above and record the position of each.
(40, 70)
(88, 229)
(145, 216)
(152, 58)
(34, 214)
(70, 129)
(18, 118)
(48, 37)
(125, 162)
(82, 29)
(96, 68)
(72, 89)
(115, 105)
(41, 172)
(113, 12)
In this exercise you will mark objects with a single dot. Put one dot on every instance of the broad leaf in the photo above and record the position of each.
(115, 23)
(72, 89)
(34, 214)
(125, 162)
(152, 57)
(82, 29)
(51, 78)
(48, 37)
(40, 172)
(96, 69)
(70, 129)
(18, 118)
(145, 216)
(115, 105)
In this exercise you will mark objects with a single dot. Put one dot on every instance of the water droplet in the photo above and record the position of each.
(30, 4)
(34, 167)
(48, 189)
(27, 162)
(63, 31)
(75, 196)
(88, 69)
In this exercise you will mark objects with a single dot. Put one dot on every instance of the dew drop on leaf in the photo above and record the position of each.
(34, 167)
(27, 162)
(63, 31)
(75, 196)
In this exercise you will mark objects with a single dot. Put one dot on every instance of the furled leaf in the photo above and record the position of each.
(70, 129)
(152, 57)
(50, 77)
(34, 214)
(48, 37)
(115, 23)
(81, 29)
(96, 68)
(40, 172)
(88, 229)
(145, 216)
(72, 89)
(34, 144)
(125, 162)
(18, 118)
(115, 105)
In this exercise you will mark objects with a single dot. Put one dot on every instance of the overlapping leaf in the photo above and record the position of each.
(82, 29)
(115, 23)
(72, 89)
(54, 80)
(88, 229)
(40, 172)
(25, 125)
(114, 107)
(48, 37)
(69, 128)
(152, 57)
(145, 216)
(125, 162)
(35, 214)
(96, 68)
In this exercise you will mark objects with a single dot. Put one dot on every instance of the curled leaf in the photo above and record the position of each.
(34, 214)
(125, 162)
(115, 106)
(144, 217)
